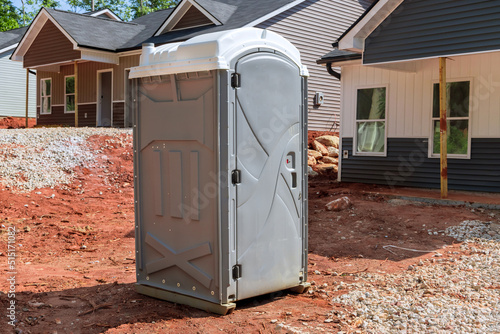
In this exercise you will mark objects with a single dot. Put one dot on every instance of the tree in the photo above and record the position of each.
(143, 7)
(32, 7)
(119, 7)
(9, 16)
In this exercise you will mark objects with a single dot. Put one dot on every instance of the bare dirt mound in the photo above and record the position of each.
(16, 122)
(76, 268)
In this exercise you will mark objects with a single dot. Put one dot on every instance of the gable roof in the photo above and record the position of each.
(10, 38)
(97, 32)
(397, 30)
(233, 14)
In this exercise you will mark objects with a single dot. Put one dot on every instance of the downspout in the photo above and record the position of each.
(332, 72)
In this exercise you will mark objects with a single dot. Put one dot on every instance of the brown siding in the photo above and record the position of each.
(118, 114)
(312, 26)
(50, 46)
(119, 76)
(87, 80)
(58, 117)
(192, 18)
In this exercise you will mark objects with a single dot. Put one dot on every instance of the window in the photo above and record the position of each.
(45, 96)
(69, 94)
(457, 119)
(370, 121)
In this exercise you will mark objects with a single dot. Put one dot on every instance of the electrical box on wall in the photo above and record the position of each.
(319, 98)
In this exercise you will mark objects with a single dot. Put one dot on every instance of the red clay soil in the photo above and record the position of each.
(16, 122)
(76, 269)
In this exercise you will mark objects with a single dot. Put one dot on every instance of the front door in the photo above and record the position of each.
(269, 232)
(104, 101)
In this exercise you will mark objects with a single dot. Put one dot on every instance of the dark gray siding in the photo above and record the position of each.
(407, 165)
(430, 28)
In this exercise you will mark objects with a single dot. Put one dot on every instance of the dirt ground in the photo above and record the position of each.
(76, 269)
(16, 122)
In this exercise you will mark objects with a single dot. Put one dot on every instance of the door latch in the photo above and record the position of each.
(235, 80)
(236, 176)
(237, 271)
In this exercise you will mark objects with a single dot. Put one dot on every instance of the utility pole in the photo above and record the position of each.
(93, 5)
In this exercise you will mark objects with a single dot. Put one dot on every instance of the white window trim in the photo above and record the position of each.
(355, 139)
(41, 97)
(65, 95)
(431, 155)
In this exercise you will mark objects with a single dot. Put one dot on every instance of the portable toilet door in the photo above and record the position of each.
(221, 174)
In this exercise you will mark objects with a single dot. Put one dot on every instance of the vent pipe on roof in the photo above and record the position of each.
(332, 72)
(93, 5)
(147, 50)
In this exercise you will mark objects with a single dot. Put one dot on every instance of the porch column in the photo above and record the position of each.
(443, 127)
(27, 93)
(76, 94)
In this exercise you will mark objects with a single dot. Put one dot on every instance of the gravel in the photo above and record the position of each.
(447, 295)
(46, 157)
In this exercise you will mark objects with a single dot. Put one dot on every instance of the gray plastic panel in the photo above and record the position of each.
(269, 198)
(177, 185)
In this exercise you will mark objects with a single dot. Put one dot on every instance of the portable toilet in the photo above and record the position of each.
(220, 142)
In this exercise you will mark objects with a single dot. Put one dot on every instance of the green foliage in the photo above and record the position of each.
(143, 7)
(458, 139)
(9, 16)
(119, 7)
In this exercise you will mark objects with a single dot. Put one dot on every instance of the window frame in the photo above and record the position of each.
(431, 153)
(66, 94)
(356, 121)
(42, 96)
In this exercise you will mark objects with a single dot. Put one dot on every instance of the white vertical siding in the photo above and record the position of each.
(409, 104)
(13, 89)
(312, 26)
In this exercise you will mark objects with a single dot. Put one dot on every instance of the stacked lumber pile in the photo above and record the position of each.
(323, 154)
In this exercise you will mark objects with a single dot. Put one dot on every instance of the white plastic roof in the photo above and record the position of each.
(213, 51)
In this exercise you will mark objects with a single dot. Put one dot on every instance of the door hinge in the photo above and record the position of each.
(236, 176)
(235, 80)
(237, 271)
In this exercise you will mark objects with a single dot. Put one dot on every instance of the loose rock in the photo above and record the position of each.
(339, 204)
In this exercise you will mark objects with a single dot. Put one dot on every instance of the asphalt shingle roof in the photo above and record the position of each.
(111, 35)
(232, 13)
(11, 37)
(96, 32)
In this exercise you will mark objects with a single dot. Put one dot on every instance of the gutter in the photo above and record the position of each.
(332, 72)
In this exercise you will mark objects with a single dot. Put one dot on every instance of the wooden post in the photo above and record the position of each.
(27, 93)
(76, 94)
(443, 127)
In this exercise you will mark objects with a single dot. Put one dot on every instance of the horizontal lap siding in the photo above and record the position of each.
(118, 114)
(50, 46)
(312, 26)
(429, 28)
(407, 164)
(13, 89)
(58, 117)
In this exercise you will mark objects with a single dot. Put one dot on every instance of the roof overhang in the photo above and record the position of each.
(354, 39)
(179, 12)
(8, 48)
(108, 13)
